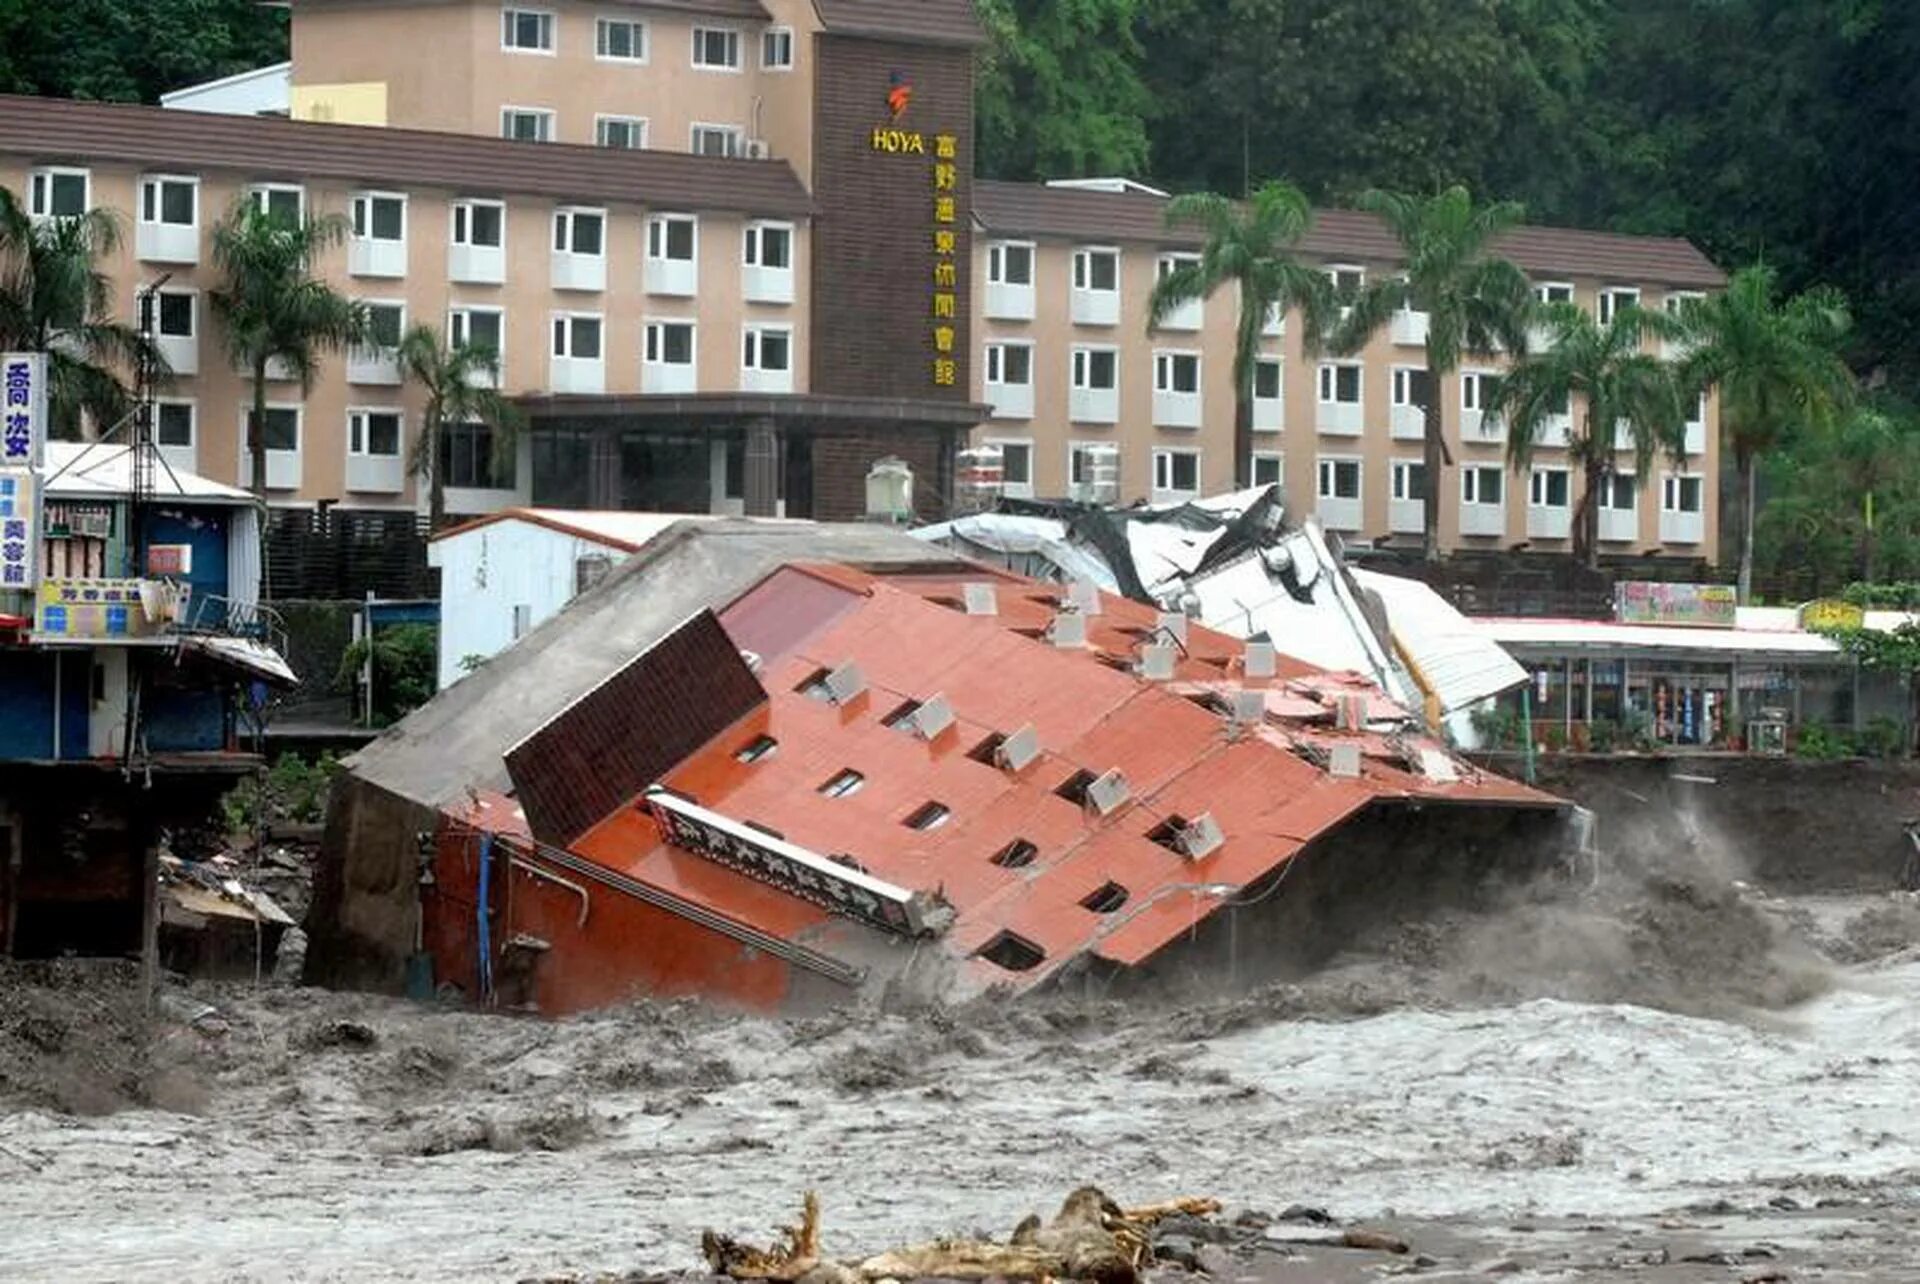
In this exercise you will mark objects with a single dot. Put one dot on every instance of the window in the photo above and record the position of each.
(1618, 492)
(1683, 494)
(1266, 380)
(526, 30)
(60, 193)
(768, 347)
(1013, 953)
(374, 432)
(843, 783)
(173, 315)
(1340, 383)
(1480, 484)
(1105, 899)
(755, 749)
(1010, 363)
(1677, 300)
(1478, 390)
(1096, 368)
(929, 815)
(620, 40)
(473, 458)
(1347, 280)
(172, 201)
(1016, 462)
(1176, 372)
(1269, 469)
(475, 328)
(1017, 854)
(1549, 488)
(280, 201)
(173, 424)
(379, 218)
(1010, 263)
(280, 430)
(1410, 480)
(718, 140)
(481, 223)
(623, 133)
(1697, 414)
(1616, 300)
(716, 48)
(1553, 292)
(776, 49)
(1096, 270)
(1339, 479)
(1176, 471)
(670, 342)
(769, 245)
(670, 237)
(577, 335)
(579, 232)
(526, 124)
(1412, 385)
(385, 322)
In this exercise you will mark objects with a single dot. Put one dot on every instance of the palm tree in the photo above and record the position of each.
(1474, 301)
(459, 381)
(1776, 365)
(273, 310)
(1607, 379)
(1249, 246)
(54, 299)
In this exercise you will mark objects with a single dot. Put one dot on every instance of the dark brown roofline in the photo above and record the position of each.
(914, 22)
(51, 130)
(749, 10)
(788, 408)
(1034, 209)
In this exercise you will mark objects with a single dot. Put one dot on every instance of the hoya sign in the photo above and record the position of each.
(23, 409)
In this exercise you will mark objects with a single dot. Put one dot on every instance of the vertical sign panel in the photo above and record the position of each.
(23, 417)
(19, 530)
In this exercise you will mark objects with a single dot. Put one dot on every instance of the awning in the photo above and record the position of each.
(255, 659)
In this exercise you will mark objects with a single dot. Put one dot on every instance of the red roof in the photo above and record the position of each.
(911, 639)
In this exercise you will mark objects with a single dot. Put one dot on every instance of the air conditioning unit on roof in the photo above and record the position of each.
(758, 149)
(933, 716)
(1084, 596)
(1068, 630)
(1156, 663)
(1201, 838)
(1258, 661)
(1343, 761)
(1018, 749)
(1172, 624)
(845, 682)
(981, 599)
(1249, 708)
(1106, 794)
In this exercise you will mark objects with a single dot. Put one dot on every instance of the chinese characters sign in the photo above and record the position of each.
(19, 530)
(91, 609)
(944, 304)
(23, 417)
(1696, 605)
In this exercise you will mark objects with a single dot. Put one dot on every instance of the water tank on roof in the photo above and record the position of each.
(890, 491)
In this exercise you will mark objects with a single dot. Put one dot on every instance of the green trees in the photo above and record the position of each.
(274, 312)
(459, 383)
(1473, 300)
(1776, 365)
(1058, 91)
(1618, 395)
(54, 299)
(1250, 248)
(133, 50)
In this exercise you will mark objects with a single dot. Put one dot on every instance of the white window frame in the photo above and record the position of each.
(1083, 256)
(547, 115)
(570, 318)
(660, 221)
(1279, 364)
(994, 363)
(1166, 360)
(1278, 459)
(1335, 271)
(752, 347)
(299, 410)
(193, 424)
(1026, 444)
(154, 180)
(189, 293)
(1163, 459)
(550, 26)
(737, 133)
(793, 49)
(1402, 389)
(1328, 383)
(466, 205)
(1614, 485)
(1470, 478)
(1328, 467)
(1672, 489)
(653, 338)
(35, 186)
(702, 29)
(358, 439)
(1537, 487)
(1607, 302)
(568, 214)
(638, 124)
(460, 317)
(1400, 477)
(370, 197)
(261, 194)
(1473, 389)
(1543, 290)
(1080, 363)
(753, 242)
(397, 305)
(644, 42)
(997, 263)
(1676, 299)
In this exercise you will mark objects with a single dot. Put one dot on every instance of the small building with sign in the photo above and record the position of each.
(128, 661)
(1684, 668)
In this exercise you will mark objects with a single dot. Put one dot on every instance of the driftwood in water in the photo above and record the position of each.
(1091, 1238)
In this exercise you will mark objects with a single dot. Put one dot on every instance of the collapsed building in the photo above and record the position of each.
(788, 767)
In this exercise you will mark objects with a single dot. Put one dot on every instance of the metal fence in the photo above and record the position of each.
(334, 554)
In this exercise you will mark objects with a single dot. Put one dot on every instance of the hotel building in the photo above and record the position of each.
(733, 253)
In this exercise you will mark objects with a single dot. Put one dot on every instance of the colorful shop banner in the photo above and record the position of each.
(19, 530)
(1830, 615)
(119, 608)
(1689, 605)
(23, 416)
